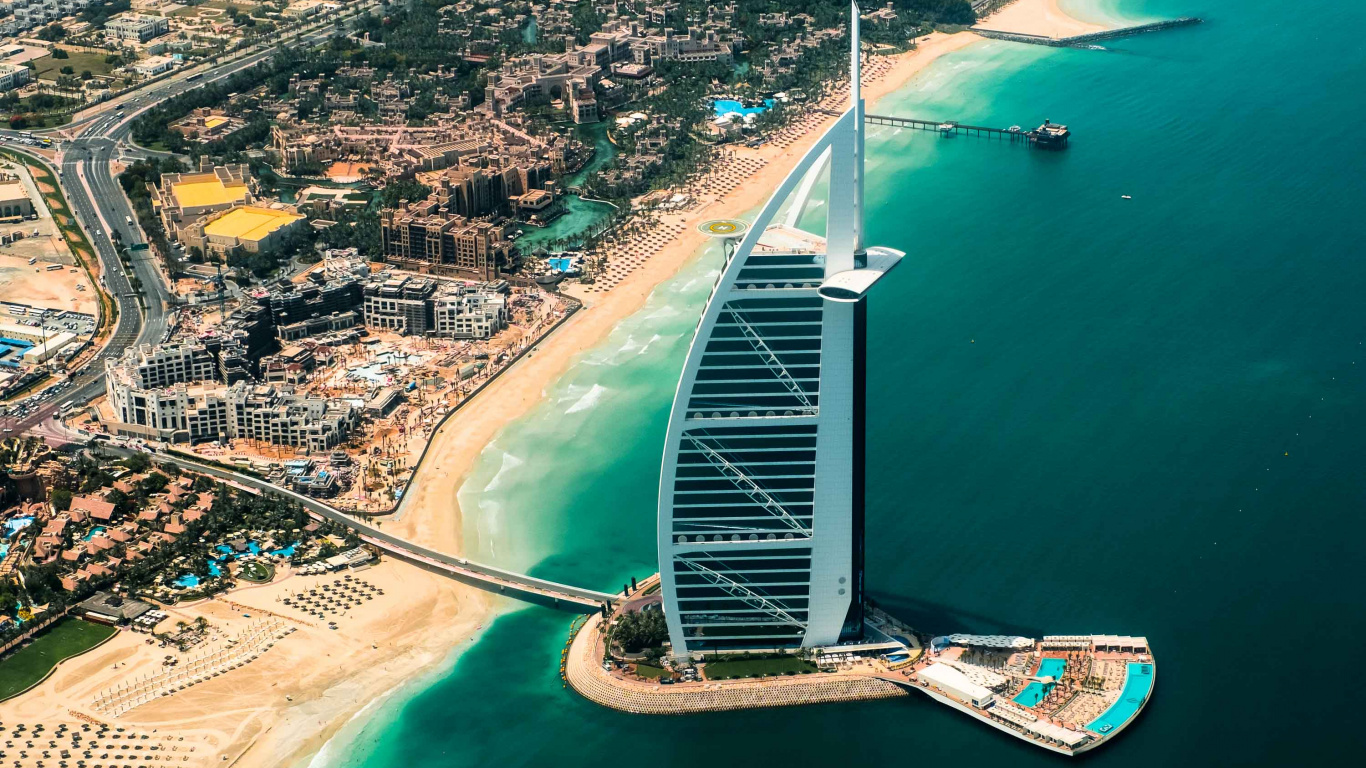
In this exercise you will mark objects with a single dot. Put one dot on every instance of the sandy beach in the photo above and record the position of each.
(283, 706)
(432, 515)
(285, 703)
(1037, 17)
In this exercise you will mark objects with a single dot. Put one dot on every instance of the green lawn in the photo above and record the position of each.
(785, 665)
(647, 671)
(256, 571)
(79, 61)
(68, 637)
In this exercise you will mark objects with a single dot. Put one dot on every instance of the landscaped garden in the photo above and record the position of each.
(64, 639)
(757, 667)
(256, 571)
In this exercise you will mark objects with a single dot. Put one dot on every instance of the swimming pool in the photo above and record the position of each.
(1032, 694)
(733, 107)
(1035, 692)
(1138, 683)
(16, 524)
(188, 580)
(1052, 668)
(96, 531)
(252, 549)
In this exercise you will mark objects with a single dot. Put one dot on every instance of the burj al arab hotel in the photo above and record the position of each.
(761, 499)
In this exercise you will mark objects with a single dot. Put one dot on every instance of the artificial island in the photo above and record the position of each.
(761, 534)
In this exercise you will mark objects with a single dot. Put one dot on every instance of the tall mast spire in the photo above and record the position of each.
(856, 105)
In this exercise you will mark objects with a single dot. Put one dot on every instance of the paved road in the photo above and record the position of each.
(86, 178)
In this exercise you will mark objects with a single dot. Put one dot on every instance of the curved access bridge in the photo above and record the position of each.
(517, 585)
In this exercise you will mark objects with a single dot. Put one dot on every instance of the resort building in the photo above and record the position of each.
(137, 28)
(14, 199)
(426, 306)
(183, 198)
(425, 239)
(469, 312)
(402, 304)
(12, 76)
(162, 365)
(250, 228)
(762, 492)
(183, 413)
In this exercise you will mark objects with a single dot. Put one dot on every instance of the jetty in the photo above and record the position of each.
(1088, 40)
(1050, 135)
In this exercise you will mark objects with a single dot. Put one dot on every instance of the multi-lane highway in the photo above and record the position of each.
(86, 177)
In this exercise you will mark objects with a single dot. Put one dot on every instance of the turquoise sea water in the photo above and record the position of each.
(1169, 386)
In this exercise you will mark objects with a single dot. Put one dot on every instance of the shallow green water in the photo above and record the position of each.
(1087, 414)
(580, 215)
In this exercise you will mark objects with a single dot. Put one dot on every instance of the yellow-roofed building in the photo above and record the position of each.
(185, 198)
(251, 228)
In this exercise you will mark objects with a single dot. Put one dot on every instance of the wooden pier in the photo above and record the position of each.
(1047, 136)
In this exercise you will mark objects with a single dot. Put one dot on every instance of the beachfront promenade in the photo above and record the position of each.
(520, 586)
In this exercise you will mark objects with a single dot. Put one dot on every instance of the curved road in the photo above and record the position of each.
(95, 196)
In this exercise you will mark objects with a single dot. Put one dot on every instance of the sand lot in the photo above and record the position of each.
(37, 286)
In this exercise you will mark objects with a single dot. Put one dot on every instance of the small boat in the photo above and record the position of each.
(1013, 129)
(947, 128)
(1127, 197)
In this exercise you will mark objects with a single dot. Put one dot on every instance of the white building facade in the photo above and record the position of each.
(761, 493)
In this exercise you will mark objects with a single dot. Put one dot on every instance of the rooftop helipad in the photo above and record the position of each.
(723, 228)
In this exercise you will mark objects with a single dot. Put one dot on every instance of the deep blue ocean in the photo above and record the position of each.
(1086, 415)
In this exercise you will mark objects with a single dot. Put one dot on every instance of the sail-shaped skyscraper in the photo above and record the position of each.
(761, 530)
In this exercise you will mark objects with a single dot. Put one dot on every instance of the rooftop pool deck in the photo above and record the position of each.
(1138, 683)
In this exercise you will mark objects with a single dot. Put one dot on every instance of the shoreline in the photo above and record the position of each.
(432, 515)
(298, 734)
(1044, 18)
(257, 727)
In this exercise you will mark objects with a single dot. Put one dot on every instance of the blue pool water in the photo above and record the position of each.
(1052, 668)
(214, 570)
(252, 549)
(731, 106)
(1137, 684)
(188, 580)
(16, 524)
(284, 551)
(1032, 694)
(96, 531)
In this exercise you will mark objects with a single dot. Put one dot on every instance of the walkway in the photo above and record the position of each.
(520, 586)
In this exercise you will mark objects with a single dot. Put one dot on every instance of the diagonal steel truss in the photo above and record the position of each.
(774, 364)
(748, 596)
(751, 489)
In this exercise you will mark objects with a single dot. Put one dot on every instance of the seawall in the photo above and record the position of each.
(584, 673)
